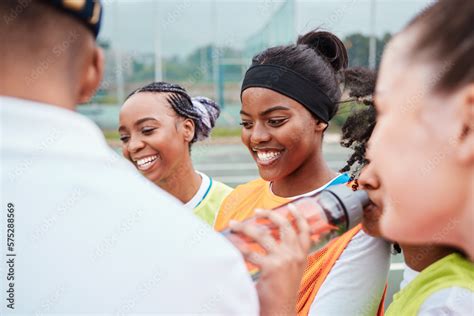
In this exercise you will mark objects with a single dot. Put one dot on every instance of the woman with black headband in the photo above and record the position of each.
(289, 95)
(158, 125)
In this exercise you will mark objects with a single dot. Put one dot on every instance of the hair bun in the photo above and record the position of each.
(209, 112)
(328, 46)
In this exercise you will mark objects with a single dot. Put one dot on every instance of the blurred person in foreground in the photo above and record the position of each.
(424, 99)
(433, 283)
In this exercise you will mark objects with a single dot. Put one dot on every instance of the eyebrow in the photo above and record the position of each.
(267, 111)
(139, 122)
(144, 120)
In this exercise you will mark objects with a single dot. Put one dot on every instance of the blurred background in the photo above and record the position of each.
(207, 45)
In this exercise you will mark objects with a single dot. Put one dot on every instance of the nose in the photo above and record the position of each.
(259, 134)
(135, 144)
(368, 179)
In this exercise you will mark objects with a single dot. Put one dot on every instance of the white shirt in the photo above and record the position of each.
(356, 282)
(91, 235)
(201, 192)
(449, 301)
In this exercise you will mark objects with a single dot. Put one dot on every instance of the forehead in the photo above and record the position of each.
(256, 100)
(401, 74)
(146, 104)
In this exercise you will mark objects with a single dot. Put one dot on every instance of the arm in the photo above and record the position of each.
(357, 278)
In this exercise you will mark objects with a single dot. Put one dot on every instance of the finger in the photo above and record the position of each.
(260, 234)
(254, 257)
(304, 230)
(287, 232)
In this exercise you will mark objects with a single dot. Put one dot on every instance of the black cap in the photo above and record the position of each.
(89, 12)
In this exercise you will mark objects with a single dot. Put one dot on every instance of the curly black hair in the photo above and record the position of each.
(357, 129)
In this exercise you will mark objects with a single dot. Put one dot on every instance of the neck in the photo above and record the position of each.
(44, 87)
(311, 175)
(183, 183)
(466, 235)
(419, 258)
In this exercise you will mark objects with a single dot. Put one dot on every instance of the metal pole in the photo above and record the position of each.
(215, 53)
(118, 56)
(158, 60)
(372, 42)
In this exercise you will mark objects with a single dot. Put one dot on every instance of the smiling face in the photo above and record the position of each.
(153, 138)
(281, 135)
(413, 149)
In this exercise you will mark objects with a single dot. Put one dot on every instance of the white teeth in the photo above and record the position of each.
(266, 156)
(145, 162)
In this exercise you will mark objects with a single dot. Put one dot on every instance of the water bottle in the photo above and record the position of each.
(329, 213)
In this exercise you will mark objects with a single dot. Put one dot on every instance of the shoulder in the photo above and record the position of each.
(257, 184)
(221, 188)
(363, 255)
(448, 301)
(240, 202)
(107, 220)
(212, 201)
(452, 271)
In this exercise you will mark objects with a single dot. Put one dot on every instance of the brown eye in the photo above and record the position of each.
(245, 124)
(276, 122)
(124, 138)
(148, 131)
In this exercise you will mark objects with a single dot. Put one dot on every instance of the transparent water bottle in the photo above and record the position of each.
(329, 213)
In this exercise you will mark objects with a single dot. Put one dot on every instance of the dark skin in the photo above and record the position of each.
(287, 138)
(147, 124)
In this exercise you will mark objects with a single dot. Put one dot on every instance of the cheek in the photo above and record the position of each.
(418, 201)
(125, 152)
(295, 137)
(245, 137)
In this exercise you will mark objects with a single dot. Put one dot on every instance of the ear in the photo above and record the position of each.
(320, 126)
(188, 129)
(92, 76)
(465, 141)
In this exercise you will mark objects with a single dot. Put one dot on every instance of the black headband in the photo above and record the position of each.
(291, 84)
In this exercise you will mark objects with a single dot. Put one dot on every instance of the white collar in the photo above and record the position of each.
(201, 192)
(324, 186)
(408, 275)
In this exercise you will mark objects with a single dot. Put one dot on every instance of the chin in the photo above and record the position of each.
(269, 175)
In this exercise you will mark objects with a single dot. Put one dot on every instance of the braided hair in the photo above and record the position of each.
(201, 110)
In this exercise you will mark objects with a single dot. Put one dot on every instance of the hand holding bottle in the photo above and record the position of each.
(282, 267)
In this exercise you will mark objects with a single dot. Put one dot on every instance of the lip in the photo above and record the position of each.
(371, 211)
(266, 157)
(145, 163)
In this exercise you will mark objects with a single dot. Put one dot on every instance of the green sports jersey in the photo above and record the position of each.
(211, 202)
(451, 271)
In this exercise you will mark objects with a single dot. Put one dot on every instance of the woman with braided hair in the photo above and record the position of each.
(158, 124)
